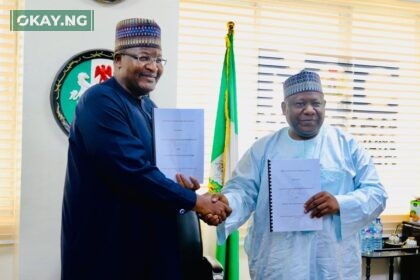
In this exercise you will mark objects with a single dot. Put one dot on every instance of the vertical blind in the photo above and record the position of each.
(10, 123)
(366, 52)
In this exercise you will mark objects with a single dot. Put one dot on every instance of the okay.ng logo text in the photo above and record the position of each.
(51, 20)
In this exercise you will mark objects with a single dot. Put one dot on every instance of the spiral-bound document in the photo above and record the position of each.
(291, 183)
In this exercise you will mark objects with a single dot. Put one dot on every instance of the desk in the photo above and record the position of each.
(390, 254)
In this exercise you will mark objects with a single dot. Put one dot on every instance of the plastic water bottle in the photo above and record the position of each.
(366, 238)
(377, 234)
(363, 243)
(369, 238)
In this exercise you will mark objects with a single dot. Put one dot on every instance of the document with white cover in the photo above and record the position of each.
(291, 184)
(179, 142)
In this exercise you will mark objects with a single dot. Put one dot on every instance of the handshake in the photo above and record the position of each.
(213, 209)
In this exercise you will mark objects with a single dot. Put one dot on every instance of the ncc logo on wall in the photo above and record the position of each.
(78, 74)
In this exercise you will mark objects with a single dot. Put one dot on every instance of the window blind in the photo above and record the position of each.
(366, 52)
(10, 123)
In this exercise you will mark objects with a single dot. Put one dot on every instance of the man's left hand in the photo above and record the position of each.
(191, 184)
(321, 204)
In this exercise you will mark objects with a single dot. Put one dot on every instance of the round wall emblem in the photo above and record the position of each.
(78, 74)
(109, 1)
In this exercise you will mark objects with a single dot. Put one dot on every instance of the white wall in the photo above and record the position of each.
(44, 144)
(6, 262)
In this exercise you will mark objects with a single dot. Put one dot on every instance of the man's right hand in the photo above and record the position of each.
(214, 210)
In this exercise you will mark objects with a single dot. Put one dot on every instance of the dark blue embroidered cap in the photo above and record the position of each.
(303, 81)
(137, 32)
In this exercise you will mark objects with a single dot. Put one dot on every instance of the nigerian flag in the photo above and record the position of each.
(225, 152)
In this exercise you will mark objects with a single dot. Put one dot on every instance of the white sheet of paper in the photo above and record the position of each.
(179, 142)
(293, 182)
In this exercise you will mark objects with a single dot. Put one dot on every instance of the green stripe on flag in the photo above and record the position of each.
(224, 152)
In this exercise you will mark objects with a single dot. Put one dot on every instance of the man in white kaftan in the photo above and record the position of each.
(352, 194)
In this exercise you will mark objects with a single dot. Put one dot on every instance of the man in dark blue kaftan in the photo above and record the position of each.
(119, 210)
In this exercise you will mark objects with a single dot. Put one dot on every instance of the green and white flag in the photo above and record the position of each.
(225, 151)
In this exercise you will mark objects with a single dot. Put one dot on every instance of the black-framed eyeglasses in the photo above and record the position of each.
(145, 59)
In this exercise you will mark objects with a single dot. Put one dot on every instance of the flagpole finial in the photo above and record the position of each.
(230, 26)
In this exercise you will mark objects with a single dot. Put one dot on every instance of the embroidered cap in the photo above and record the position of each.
(303, 81)
(137, 32)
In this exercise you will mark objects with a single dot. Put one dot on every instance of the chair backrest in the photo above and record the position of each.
(194, 265)
(189, 234)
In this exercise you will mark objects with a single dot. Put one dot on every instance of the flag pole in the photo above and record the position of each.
(225, 151)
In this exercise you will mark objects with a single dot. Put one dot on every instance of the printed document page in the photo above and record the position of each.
(179, 142)
(292, 183)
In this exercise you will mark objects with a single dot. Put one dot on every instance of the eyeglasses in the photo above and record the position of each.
(145, 59)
